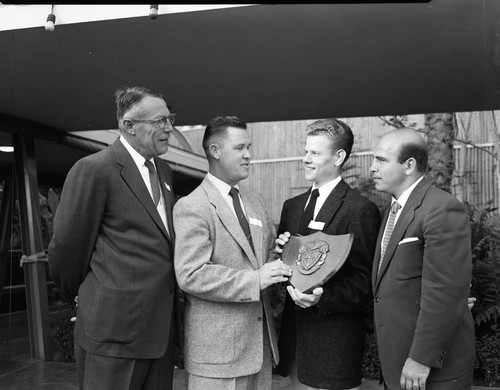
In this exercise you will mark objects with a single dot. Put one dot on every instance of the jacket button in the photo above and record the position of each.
(259, 318)
(377, 300)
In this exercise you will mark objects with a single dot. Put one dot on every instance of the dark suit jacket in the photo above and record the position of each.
(421, 292)
(111, 249)
(330, 336)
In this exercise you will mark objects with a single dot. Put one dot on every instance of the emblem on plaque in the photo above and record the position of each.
(312, 256)
(315, 258)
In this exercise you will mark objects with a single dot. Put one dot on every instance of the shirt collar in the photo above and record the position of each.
(406, 194)
(136, 156)
(327, 188)
(221, 185)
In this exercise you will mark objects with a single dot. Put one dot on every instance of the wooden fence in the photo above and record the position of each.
(276, 180)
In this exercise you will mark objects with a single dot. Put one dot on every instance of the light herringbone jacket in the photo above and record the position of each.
(218, 271)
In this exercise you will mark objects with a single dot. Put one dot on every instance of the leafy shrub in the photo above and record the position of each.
(488, 357)
(63, 334)
(371, 362)
(485, 287)
(485, 225)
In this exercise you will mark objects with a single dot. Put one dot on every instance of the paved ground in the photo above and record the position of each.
(29, 374)
(19, 372)
(33, 374)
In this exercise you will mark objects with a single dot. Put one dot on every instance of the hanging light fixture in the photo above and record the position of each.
(153, 11)
(51, 20)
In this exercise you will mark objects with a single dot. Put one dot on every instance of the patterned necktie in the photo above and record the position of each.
(153, 179)
(388, 230)
(308, 214)
(241, 216)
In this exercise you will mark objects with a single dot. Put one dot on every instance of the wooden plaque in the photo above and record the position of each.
(315, 258)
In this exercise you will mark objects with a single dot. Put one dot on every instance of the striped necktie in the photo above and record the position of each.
(388, 230)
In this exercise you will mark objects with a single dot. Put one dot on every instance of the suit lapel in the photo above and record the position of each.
(256, 231)
(378, 250)
(404, 220)
(296, 209)
(133, 178)
(168, 196)
(229, 220)
(332, 204)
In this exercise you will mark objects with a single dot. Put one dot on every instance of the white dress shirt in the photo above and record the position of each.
(324, 192)
(224, 189)
(402, 201)
(144, 171)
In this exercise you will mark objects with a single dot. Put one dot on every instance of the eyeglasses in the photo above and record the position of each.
(159, 123)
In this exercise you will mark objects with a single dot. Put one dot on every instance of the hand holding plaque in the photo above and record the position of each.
(315, 258)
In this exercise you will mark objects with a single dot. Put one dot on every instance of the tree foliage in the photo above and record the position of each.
(485, 225)
(440, 131)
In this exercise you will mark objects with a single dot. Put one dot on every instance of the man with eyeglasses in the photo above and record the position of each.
(113, 249)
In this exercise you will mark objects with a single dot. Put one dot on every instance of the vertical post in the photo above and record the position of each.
(35, 276)
(5, 228)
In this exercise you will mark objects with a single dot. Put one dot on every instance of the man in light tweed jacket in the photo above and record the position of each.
(223, 242)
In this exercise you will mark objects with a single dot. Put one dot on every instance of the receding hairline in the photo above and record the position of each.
(408, 143)
(138, 109)
(407, 136)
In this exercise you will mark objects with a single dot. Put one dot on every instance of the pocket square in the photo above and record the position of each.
(408, 239)
(168, 187)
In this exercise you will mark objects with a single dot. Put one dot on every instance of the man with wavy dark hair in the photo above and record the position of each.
(322, 334)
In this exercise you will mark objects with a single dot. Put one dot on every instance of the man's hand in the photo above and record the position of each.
(305, 300)
(273, 272)
(281, 241)
(73, 319)
(414, 375)
(470, 302)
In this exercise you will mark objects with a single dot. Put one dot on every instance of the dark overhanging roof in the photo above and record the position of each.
(262, 63)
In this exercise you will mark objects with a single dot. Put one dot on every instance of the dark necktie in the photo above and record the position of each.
(153, 179)
(391, 221)
(241, 216)
(308, 214)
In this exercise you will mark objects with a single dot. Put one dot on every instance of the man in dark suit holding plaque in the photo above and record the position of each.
(322, 334)
(421, 274)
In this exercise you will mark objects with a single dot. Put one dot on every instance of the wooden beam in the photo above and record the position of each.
(35, 276)
(5, 228)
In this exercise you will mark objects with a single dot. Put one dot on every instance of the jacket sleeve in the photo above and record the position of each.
(446, 277)
(283, 225)
(350, 288)
(196, 272)
(76, 226)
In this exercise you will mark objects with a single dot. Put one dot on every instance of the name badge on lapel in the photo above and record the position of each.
(255, 221)
(316, 225)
